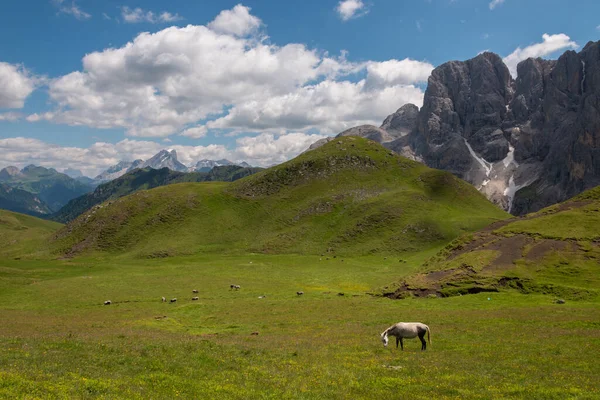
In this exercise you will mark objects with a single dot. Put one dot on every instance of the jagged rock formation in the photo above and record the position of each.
(402, 122)
(118, 170)
(526, 143)
(165, 159)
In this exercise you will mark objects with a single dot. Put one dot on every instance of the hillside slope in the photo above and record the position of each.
(22, 235)
(349, 197)
(554, 251)
(143, 179)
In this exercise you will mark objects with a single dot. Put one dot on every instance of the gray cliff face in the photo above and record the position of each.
(564, 130)
(465, 100)
(526, 143)
(368, 132)
(402, 122)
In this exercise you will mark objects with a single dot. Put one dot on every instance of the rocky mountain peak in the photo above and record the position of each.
(9, 173)
(402, 122)
(165, 159)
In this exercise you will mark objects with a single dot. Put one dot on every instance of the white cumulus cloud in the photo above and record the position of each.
(16, 84)
(349, 9)
(195, 132)
(237, 21)
(164, 83)
(397, 72)
(549, 45)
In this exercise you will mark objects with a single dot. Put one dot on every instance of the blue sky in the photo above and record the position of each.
(256, 80)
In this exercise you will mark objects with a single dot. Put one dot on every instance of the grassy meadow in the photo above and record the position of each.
(344, 224)
(58, 340)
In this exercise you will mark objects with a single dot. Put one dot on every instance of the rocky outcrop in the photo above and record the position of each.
(402, 122)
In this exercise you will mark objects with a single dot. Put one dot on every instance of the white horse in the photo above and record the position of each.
(407, 330)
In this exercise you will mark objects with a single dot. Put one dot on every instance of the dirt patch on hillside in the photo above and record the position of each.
(511, 249)
(546, 246)
(572, 204)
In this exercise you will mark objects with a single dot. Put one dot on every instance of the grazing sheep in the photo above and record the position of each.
(107, 303)
(173, 300)
(195, 291)
(194, 298)
(164, 300)
(235, 287)
(254, 334)
(340, 293)
(299, 293)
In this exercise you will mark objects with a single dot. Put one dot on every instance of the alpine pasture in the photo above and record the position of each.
(374, 221)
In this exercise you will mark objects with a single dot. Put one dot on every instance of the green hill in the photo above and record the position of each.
(143, 179)
(553, 251)
(22, 235)
(349, 197)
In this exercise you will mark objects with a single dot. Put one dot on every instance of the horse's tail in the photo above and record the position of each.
(428, 336)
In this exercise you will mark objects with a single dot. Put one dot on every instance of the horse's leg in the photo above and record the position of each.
(401, 344)
(397, 341)
(423, 342)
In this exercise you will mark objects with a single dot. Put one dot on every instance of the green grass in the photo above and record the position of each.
(579, 223)
(24, 236)
(57, 340)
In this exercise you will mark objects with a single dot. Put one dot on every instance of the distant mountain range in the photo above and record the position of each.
(43, 191)
(526, 143)
(38, 190)
(163, 159)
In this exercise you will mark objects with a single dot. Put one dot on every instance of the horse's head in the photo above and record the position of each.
(384, 339)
